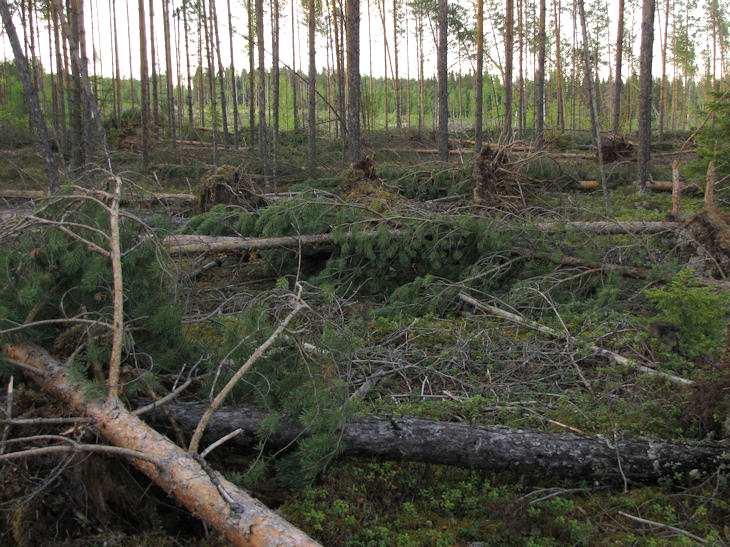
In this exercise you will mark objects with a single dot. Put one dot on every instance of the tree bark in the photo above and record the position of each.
(352, 24)
(592, 105)
(251, 72)
(189, 97)
(263, 130)
(221, 71)
(234, 77)
(144, 85)
(168, 69)
(31, 94)
(242, 519)
(645, 93)
(479, 79)
(508, 54)
(155, 99)
(443, 91)
(616, 110)
(664, 81)
(275, 79)
(540, 80)
(312, 89)
(495, 448)
(559, 68)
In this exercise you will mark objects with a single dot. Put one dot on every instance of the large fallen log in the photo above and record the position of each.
(560, 455)
(195, 244)
(242, 519)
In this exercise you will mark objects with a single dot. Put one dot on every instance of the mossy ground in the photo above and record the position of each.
(471, 368)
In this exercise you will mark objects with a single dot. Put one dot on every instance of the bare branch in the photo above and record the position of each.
(255, 356)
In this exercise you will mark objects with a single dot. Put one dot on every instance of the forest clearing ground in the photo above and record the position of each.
(434, 357)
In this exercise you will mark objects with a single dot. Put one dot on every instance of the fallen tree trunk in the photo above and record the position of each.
(610, 227)
(194, 244)
(147, 199)
(560, 455)
(242, 519)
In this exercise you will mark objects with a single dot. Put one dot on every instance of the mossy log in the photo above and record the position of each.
(496, 448)
(242, 519)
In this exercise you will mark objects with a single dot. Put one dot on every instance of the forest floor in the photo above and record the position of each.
(389, 310)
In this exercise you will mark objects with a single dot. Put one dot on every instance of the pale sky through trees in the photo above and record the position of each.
(464, 64)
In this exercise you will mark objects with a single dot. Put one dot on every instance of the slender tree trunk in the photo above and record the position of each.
(339, 62)
(385, 63)
(521, 99)
(312, 89)
(396, 77)
(72, 36)
(155, 99)
(540, 79)
(293, 72)
(189, 96)
(234, 78)
(168, 70)
(275, 78)
(479, 78)
(31, 94)
(117, 77)
(352, 24)
(664, 82)
(251, 72)
(62, 77)
(616, 110)
(144, 85)
(559, 68)
(263, 131)
(592, 105)
(215, 37)
(508, 46)
(443, 91)
(209, 54)
(421, 79)
(645, 83)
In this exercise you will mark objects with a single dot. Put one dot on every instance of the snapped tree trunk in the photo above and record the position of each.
(242, 519)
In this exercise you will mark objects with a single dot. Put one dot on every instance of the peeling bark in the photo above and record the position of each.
(242, 519)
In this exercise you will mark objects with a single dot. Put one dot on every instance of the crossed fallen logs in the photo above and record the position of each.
(185, 476)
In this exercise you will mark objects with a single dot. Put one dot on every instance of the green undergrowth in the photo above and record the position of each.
(369, 503)
(46, 275)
